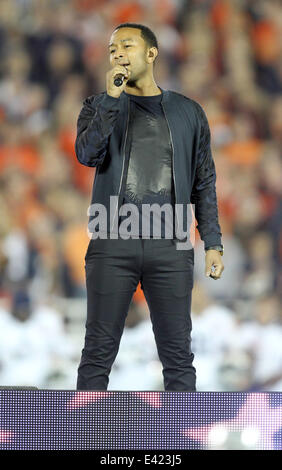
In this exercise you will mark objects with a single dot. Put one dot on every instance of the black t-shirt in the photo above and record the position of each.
(148, 169)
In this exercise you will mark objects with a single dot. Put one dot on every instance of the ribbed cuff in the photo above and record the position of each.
(212, 239)
(110, 98)
(109, 103)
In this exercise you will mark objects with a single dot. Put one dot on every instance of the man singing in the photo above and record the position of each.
(151, 149)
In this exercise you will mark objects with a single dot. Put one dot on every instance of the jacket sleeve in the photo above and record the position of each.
(95, 124)
(203, 193)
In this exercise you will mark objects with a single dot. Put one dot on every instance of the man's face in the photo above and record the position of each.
(126, 46)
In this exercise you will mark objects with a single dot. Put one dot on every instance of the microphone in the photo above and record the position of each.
(118, 80)
(119, 77)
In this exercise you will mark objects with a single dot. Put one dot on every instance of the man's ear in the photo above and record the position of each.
(153, 52)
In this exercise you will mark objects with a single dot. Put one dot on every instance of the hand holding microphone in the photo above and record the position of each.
(116, 79)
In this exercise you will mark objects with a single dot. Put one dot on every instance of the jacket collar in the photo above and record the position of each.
(164, 95)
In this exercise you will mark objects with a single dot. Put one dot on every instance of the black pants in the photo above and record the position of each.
(113, 269)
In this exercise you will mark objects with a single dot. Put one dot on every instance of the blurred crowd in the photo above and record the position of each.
(226, 55)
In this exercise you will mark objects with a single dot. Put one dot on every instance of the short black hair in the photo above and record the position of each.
(146, 33)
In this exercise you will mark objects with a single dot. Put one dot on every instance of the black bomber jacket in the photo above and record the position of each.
(102, 127)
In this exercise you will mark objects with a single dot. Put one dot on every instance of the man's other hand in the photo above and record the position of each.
(214, 259)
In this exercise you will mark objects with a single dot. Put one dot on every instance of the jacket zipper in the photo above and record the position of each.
(173, 172)
(128, 102)
(96, 176)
